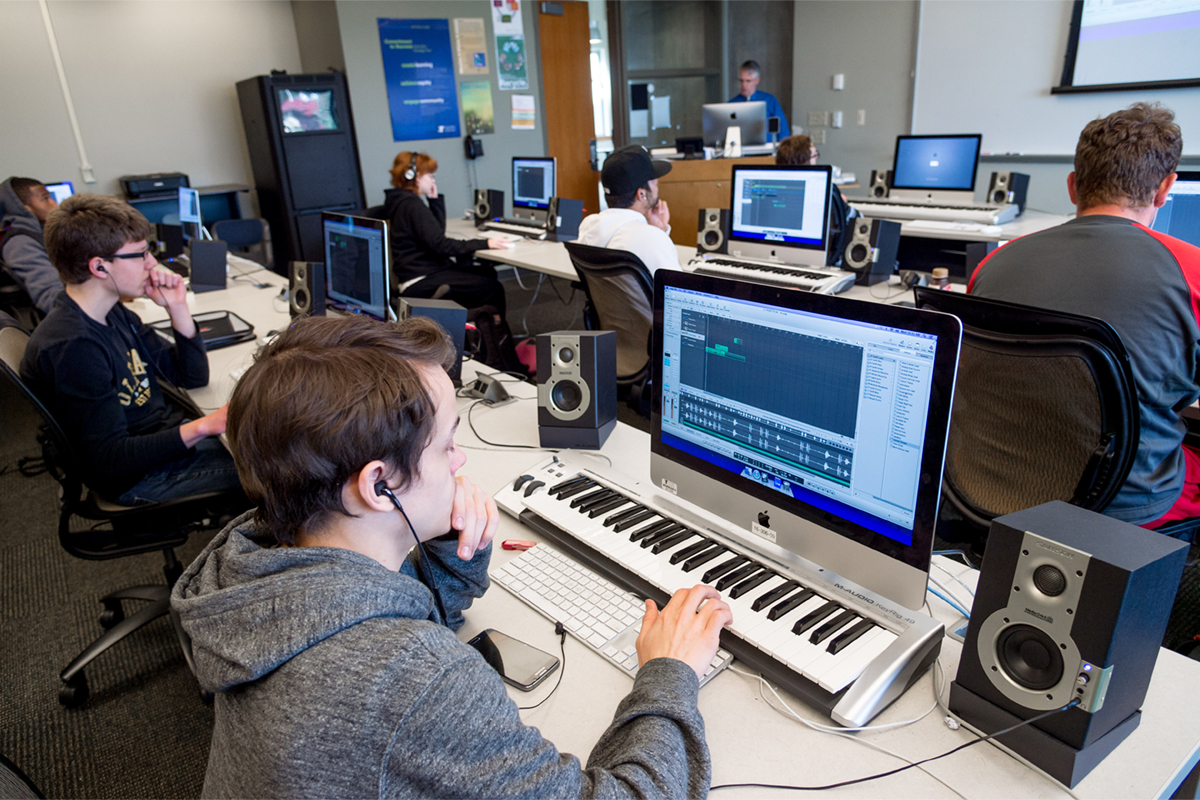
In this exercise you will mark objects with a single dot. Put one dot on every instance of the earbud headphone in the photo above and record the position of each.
(382, 490)
(410, 174)
(102, 269)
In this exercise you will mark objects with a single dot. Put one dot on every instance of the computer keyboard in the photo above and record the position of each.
(530, 231)
(595, 611)
(944, 225)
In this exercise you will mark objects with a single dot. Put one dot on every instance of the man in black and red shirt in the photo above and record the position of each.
(1108, 263)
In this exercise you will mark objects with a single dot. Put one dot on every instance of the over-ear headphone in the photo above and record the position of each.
(410, 174)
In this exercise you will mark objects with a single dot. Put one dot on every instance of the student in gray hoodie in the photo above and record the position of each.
(24, 205)
(331, 652)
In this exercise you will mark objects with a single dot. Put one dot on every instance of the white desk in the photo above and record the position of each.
(750, 741)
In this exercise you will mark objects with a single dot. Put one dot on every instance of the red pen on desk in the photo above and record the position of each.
(517, 544)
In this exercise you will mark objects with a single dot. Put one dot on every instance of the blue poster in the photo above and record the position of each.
(418, 67)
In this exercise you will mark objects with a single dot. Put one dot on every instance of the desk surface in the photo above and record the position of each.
(751, 741)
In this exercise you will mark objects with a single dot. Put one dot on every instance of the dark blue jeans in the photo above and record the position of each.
(209, 469)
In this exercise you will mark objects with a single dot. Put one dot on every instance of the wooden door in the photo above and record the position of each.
(567, 85)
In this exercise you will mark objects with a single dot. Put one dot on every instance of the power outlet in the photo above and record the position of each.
(817, 136)
(862, 116)
(818, 119)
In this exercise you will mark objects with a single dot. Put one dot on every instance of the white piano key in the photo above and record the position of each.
(829, 661)
(845, 673)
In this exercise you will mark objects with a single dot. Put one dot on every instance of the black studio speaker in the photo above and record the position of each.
(881, 183)
(977, 252)
(1071, 605)
(1008, 187)
(447, 313)
(207, 265)
(563, 218)
(712, 231)
(577, 388)
(489, 204)
(306, 289)
(871, 251)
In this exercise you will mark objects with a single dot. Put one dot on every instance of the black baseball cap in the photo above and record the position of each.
(630, 168)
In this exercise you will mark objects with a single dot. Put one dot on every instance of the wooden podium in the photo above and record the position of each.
(693, 185)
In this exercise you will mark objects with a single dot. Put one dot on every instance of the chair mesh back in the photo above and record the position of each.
(621, 305)
(1023, 429)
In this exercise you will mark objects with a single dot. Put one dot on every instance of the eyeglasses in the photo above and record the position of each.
(139, 256)
(815, 154)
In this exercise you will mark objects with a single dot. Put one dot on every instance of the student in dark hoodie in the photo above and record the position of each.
(423, 257)
(24, 205)
(336, 674)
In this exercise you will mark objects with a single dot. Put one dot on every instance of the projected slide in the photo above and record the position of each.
(1134, 41)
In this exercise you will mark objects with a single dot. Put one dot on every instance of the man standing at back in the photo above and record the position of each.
(1108, 263)
(748, 78)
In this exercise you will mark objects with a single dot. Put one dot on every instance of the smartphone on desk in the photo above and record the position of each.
(519, 664)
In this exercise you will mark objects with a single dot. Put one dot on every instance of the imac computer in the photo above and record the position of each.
(717, 118)
(533, 186)
(357, 264)
(780, 213)
(815, 423)
(939, 168)
(61, 190)
(1180, 216)
(189, 213)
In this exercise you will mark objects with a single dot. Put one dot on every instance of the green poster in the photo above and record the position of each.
(477, 107)
(510, 62)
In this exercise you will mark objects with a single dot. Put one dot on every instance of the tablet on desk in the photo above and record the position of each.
(217, 328)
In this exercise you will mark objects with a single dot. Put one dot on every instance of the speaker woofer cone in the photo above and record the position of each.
(1029, 657)
(859, 254)
(566, 395)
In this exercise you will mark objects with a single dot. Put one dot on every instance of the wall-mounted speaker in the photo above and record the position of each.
(577, 388)
(871, 251)
(489, 204)
(563, 218)
(1008, 187)
(712, 231)
(881, 183)
(1071, 606)
(306, 289)
(453, 319)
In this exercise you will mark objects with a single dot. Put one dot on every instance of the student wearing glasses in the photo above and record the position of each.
(95, 363)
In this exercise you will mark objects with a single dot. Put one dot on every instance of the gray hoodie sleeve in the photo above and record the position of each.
(465, 738)
(26, 257)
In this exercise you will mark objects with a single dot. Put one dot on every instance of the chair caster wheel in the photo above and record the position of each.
(111, 615)
(74, 692)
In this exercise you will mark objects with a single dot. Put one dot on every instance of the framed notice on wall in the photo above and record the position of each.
(418, 68)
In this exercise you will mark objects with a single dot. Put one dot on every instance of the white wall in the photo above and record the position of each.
(372, 117)
(152, 82)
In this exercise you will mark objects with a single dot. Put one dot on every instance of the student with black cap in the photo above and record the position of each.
(635, 220)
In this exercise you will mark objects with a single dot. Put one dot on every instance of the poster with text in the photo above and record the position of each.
(510, 62)
(478, 117)
(418, 68)
(470, 46)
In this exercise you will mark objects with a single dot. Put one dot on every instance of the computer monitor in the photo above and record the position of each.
(1180, 215)
(357, 264)
(189, 213)
(719, 117)
(780, 213)
(533, 185)
(815, 423)
(935, 164)
(61, 190)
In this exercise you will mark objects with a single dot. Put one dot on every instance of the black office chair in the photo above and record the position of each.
(248, 238)
(95, 528)
(620, 298)
(1044, 409)
(15, 299)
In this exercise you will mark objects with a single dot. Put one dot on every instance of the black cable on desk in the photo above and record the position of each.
(853, 781)
(561, 630)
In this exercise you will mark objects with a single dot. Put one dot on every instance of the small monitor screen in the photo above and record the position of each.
(1180, 215)
(356, 263)
(60, 191)
(786, 206)
(189, 205)
(945, 163)
(533, 182)
(307, 110)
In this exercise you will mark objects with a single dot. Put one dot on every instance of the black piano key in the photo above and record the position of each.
(675, 538)
(779, 609)
(605, 506)
(571, 491)
(738, 574)
(621, 516)
(703, 558)
(722, 568)
(690, 550)
(839, 643)
(650, 530)
(813, 617)
(752, 582)
(654, 539)
(636, 519)
(603, 491)
(775, 594)
(568, 484)
(829, 628)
